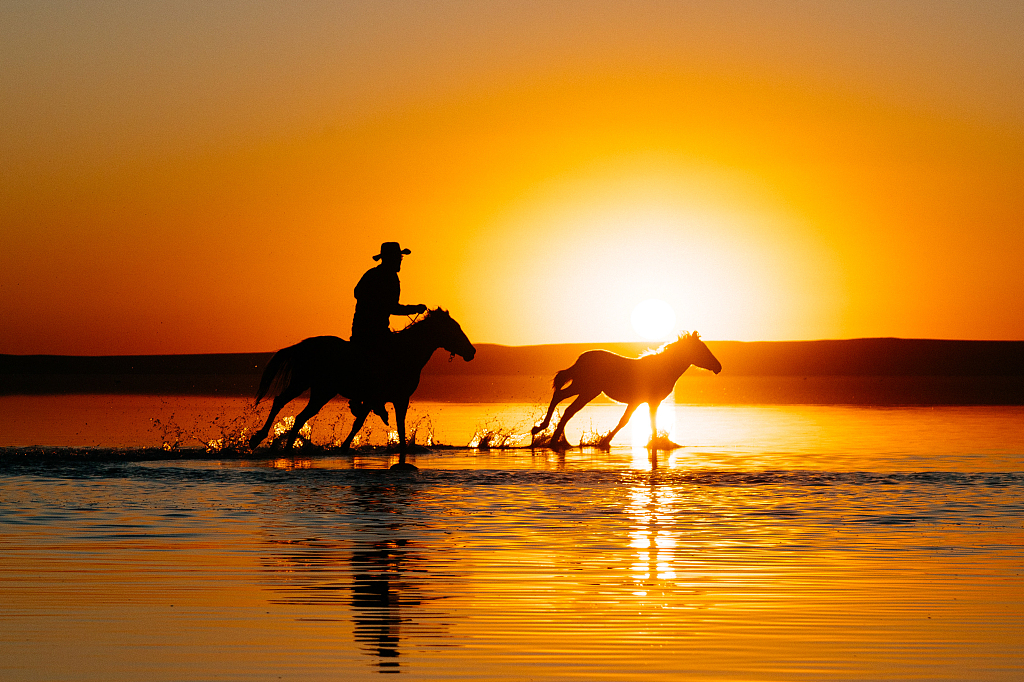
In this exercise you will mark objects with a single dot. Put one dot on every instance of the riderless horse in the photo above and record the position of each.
(647, 379)
(328, 366)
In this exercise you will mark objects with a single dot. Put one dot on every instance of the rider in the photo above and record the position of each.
(377, 297)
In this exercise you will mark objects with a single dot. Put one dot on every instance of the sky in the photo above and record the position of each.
(204, 177)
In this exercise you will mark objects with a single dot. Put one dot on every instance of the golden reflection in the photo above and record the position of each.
(643, 459)
(650, 509)
(372, 461)
(290, 463)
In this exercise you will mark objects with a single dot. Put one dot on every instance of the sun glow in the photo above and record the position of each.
(592, 247)
(653, 319)
(640, 430)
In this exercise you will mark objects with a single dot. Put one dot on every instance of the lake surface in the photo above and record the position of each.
(780, 543)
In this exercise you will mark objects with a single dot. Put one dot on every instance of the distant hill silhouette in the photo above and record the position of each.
(223, 373)
(848, 357)
(854, 371)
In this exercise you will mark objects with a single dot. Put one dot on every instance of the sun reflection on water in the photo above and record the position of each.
(655, 544)
(292, 463)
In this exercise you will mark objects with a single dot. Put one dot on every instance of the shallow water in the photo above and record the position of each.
(782, 543)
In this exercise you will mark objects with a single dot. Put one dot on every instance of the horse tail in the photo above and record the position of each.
(277, 374)
(562, 378)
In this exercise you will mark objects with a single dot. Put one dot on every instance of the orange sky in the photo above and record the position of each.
(188, 178)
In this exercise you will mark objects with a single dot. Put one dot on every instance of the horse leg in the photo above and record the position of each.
(318, 397)
(290, 393)
(558, 396)
(652, 406)
(574, 407)
(607, 440)
(360, 414)
(401, 409)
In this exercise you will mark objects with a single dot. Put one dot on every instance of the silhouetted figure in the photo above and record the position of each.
(377, 296)
(328, 366)
(377, 299)
(647, 379)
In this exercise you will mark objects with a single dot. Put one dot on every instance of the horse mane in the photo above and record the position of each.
(430, 313)
(665, 346)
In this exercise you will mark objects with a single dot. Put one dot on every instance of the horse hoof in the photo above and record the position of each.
(401, 467)
(561, 444)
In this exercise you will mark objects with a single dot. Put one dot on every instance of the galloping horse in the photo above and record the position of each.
(327, 366)
(647, 379)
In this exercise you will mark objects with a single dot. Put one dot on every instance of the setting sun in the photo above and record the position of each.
(653, 319)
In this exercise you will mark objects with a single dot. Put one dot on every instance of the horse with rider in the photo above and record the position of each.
(376, 367)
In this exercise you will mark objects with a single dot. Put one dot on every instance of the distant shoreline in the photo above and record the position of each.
(852, 371)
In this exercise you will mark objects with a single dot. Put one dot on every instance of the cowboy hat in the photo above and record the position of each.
(391, 249)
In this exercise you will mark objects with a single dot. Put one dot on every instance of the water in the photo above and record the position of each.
(782, 543)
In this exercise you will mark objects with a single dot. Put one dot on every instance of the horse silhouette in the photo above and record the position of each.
(647, 379)
(328, 366)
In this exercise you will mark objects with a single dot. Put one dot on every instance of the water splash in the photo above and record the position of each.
(543, 438)
(425, 426)
(231, 432)
(494, 434)
(171, 434)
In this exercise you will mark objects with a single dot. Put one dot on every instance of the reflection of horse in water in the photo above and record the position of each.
(328, 366)
(377, 569)
(647, 379)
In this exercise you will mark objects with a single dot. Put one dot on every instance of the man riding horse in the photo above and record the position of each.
(377, 295)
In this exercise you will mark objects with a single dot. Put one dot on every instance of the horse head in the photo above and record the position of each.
(700, 355)
(696, 352)
(449, 334)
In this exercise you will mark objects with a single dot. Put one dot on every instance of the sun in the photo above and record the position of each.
(654, 320)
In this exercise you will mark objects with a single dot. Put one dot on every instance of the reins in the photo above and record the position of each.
(416, 318)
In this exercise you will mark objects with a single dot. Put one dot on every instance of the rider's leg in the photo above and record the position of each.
(371, 378)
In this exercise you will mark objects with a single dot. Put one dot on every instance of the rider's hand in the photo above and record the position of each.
(420, 308)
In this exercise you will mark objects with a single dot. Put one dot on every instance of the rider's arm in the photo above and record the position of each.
(398, 308)
(409, 309)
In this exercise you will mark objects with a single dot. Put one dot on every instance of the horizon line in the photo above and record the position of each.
(543, 345)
